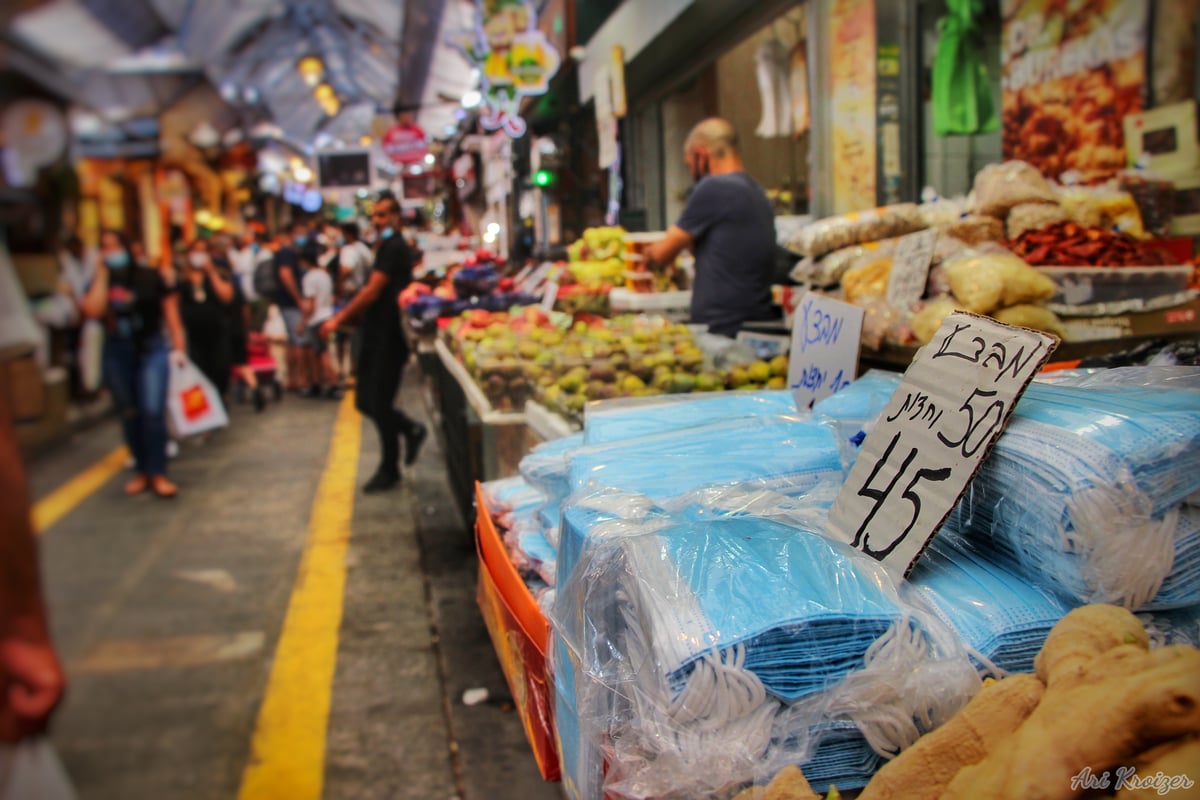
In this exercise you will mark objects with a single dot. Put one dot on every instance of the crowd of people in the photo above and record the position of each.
(253, 313)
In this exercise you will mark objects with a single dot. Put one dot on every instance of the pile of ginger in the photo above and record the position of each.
(1101, 705)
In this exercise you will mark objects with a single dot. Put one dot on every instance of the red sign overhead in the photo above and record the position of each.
(406, 144)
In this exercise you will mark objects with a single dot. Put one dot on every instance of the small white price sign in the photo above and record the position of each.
(910, 268)
(824, 351)
(947, 412)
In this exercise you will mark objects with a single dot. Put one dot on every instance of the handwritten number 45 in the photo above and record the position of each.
(862, 539)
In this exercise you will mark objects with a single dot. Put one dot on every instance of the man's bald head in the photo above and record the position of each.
(715, 135)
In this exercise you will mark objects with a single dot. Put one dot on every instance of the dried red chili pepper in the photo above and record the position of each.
(1068, 244)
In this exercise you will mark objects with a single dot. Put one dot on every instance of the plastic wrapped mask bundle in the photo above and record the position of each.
(715, 652)
(541, 556)
(545, 467)
(617, 420)
(801, 607)
(854, 408)
(1001, 618)
(511, 495)
(785, 454)
(1080, 479)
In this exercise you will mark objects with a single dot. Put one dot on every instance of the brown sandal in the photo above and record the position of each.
(138, 485)
(163, 487)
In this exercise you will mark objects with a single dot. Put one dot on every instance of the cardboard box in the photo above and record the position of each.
(1167, 134)
(520, 634)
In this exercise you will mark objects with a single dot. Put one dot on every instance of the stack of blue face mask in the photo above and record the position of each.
(1001, 617)
(1082, 478)
(786, 454)
(511, 495)
(615, 421)
(842, 758)
(545, 467)
(1181, 589)
(797, 601)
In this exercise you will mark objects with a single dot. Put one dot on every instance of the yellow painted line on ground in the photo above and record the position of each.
(287, 753)
(60, 502)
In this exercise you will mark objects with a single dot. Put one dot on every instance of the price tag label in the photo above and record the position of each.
(549, 296)
(910, 268)
(948, 411)
(824, 351)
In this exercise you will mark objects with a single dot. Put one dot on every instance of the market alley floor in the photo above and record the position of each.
(272, 632)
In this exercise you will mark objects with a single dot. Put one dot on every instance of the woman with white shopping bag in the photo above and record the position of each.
(140, 310)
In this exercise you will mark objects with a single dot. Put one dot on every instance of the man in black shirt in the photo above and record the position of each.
(384, 348)
(729, 226)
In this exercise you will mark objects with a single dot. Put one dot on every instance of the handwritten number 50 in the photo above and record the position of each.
(973, 423)
(880, 496)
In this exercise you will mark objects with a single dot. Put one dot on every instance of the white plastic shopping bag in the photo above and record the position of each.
(91, 349)
(30, 770)
(193, 404)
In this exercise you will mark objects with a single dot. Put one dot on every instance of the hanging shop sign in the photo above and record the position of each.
(405, 143)
(934, 433)
(852, 76)
(1071, 72)
(514, 59)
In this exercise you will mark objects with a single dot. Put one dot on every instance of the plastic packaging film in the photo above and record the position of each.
(705, 654)
(1082, 477)
(615, 421)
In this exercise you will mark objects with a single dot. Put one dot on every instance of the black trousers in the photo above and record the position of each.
(379, 370)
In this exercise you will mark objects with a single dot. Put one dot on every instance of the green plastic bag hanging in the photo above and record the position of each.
(962, 95)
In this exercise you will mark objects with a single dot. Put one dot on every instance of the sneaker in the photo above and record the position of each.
(260, 402)
(413, 441)
(381, 482)
(163, 487)
(138, 485)
(312, 392)
(333, 393)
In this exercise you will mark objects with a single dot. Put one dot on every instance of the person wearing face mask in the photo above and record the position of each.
(729, 226)
(140, 310)
(204, 301)
(381, 360)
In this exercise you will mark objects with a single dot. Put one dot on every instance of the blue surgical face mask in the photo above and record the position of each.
(301, 241)
(254, 246)
(118, 260)
(387, 233)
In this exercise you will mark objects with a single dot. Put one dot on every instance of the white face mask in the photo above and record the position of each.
(197, 260)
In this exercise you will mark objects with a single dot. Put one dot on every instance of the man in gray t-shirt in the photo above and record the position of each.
(729, 225)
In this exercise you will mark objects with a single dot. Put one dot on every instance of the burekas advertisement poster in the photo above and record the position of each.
(852, 96)
(1071, 72)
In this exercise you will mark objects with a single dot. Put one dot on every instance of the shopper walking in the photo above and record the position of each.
(318, 307)
(237, 313)
(140, 309)
(289, 298)
(729, 225)
(380, 364)
(205, 298)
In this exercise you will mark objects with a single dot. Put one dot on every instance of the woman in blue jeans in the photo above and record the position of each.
(140, 311)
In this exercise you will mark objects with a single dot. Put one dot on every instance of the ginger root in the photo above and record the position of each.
(1177, 762)
(924, 770)
(1098, 713)
(788, 784)
(1082, 635)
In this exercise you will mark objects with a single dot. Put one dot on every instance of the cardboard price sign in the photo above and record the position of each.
(910, 268)
(934, 433)
(824, 352)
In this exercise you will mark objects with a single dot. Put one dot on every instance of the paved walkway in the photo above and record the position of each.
(272, 633)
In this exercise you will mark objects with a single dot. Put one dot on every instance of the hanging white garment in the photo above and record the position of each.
(772, 72)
